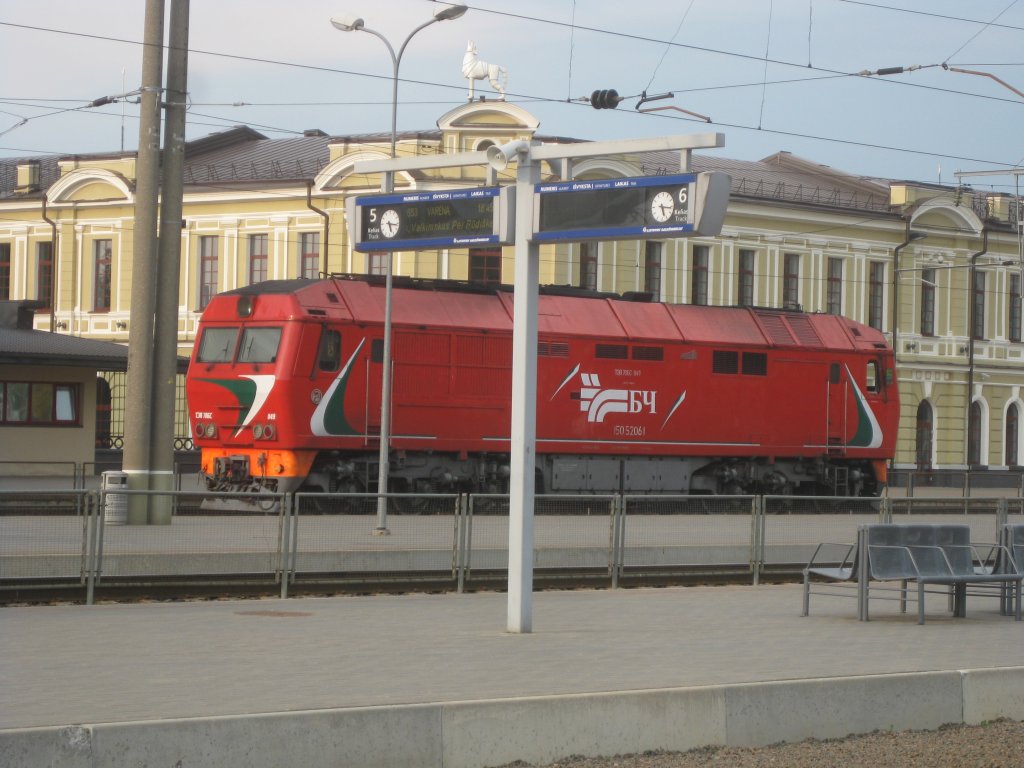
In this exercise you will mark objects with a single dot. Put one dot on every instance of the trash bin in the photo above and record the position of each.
(115, 505)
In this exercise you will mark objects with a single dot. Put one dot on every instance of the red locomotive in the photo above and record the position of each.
(633, 396)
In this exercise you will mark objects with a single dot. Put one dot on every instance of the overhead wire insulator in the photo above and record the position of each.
(605, 99)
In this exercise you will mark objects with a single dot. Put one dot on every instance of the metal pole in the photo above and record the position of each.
(523, 466)
(137, 423)
(384, 455)
(165, 341)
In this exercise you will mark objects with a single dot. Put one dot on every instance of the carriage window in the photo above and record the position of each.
(217, 345)
(329, 356)
(833, 373)
(872, 376)
(259, 345)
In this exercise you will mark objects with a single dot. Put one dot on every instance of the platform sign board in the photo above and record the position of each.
(608, 209)
(643, 207)
(457, 218)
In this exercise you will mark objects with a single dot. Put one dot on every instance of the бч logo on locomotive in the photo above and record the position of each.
(598, 403)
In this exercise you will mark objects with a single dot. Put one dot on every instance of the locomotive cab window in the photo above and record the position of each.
(259, 345)
(217, 345)
(871, 379)
(329, 356)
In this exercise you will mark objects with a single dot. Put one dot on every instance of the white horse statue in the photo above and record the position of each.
(474, 69)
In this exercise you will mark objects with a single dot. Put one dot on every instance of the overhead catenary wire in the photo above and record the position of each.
(534, 99)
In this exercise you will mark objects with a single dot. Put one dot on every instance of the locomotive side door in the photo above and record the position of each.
(837, 396)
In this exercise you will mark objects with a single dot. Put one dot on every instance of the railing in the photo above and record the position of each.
(77, 539)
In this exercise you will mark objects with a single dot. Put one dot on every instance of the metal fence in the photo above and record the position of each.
(77, 539)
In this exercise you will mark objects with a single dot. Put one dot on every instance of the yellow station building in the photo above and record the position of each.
(937, 268)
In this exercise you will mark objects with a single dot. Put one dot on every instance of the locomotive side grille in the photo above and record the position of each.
(725, 361)
(801, 326)
(648, 353)
(778, 331)
(552, 349)
(611, 351)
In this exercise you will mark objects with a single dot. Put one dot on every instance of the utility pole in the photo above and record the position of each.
(165, 340)
(137, 423)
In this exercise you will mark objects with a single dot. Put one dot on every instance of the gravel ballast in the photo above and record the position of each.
(998, 744)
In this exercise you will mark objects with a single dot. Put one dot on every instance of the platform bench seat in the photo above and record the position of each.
(935, 554)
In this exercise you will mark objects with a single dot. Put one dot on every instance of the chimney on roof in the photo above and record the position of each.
(19, 315)
(312, 132)
(28, 177)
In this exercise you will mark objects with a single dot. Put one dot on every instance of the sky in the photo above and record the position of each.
(772, 75)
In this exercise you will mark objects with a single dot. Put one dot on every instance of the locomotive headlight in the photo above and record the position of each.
(211, 430)
(245, 306)
(263, 431)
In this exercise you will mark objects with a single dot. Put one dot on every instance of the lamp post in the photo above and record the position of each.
(356, 24)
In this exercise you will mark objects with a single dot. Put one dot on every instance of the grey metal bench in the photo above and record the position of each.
(938, 554)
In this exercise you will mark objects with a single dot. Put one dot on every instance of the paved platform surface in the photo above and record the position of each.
(64, 665)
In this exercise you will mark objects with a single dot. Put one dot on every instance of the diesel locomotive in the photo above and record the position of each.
(633, 396)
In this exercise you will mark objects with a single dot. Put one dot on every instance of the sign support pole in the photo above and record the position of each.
(524, 333)
(522, 480)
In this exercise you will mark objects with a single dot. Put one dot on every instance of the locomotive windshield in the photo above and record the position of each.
(217, 345)
(259, 345)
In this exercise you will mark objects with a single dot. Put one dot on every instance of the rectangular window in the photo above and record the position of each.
(791, 281)
(257, 259)
(259, 345)
(44, 273)
(978, 306)
(927, 302)
(208, 269)
(377, 263)
(834, 297)
(103, 257)
(876, 291)
(5, 271)
(699, 275)
(652, 269)
(217, 345)
(588, 266)
(1015, 309)
(309, 257)
(329, 354)
(38, 403)
(745, 287)
(485, 266)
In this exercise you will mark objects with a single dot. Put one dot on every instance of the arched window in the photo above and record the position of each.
(1012, 435)
(924, 435)
(974, 434)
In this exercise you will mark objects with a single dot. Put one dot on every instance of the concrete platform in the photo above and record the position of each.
(435, 680)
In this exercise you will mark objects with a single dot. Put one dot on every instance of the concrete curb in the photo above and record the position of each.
(477, 734)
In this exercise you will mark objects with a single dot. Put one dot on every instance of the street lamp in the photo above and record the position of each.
(356, 24)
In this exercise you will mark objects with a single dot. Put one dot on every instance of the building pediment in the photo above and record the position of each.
(340, 172)
(488, 115)
(89, 185)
